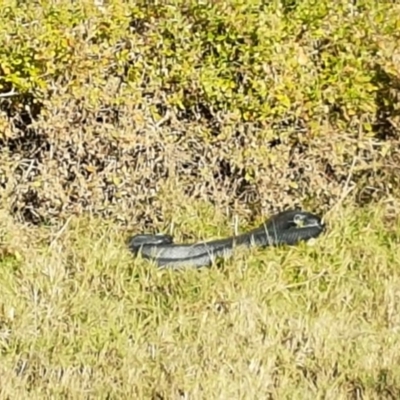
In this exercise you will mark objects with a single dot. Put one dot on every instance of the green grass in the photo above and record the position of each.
(80, 318)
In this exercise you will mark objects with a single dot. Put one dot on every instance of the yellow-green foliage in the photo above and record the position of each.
(258, 61)
(266, 103)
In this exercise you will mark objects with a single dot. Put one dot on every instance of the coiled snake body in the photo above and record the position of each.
(286, 228)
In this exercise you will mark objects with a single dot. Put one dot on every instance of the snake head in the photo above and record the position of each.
(146, 239)
(305, 219)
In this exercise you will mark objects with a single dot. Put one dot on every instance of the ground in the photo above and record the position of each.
(80, 318)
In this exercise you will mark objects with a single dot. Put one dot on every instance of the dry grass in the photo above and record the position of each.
(81, 319)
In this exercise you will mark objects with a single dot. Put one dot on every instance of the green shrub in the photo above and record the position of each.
(265, 103)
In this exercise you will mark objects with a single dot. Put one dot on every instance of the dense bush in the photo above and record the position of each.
(249, 104)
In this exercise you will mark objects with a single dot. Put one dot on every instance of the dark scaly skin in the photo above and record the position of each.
(286, 228)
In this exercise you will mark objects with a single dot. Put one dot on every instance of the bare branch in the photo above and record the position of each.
(9, 94)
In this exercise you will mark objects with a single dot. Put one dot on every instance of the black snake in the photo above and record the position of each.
(286, 228)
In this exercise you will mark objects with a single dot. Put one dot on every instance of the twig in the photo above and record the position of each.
(60, 232)
(9, 94)
(346, 189)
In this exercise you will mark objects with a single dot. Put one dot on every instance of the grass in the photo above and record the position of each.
(79, 318)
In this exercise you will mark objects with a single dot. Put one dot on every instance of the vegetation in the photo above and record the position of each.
(185, 116)
(79, 319)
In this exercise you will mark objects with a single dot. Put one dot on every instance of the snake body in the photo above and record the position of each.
(286, 228)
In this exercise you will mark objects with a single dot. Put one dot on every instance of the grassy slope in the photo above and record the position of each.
(80, 318)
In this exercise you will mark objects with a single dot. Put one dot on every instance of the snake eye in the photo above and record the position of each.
(298, 220)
